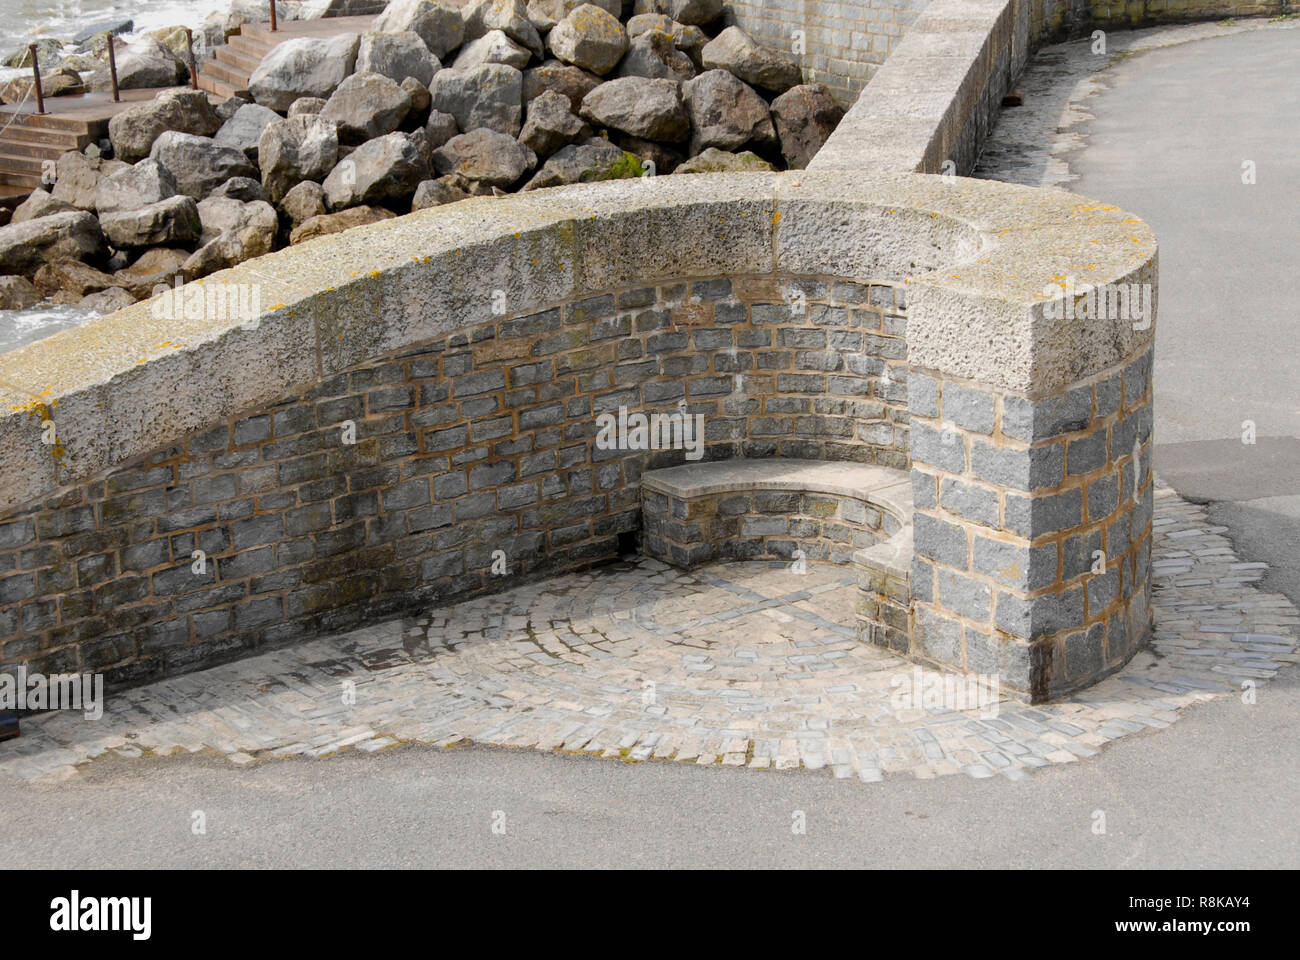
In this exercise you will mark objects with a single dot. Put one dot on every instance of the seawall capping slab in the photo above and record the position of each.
(133, 382)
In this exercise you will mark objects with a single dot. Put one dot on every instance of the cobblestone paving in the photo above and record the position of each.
(742, 664)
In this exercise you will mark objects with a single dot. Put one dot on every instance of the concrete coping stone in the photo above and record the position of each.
(888, 488)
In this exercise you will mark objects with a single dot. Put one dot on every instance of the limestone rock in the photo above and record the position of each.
(694, 12)
(493, 47)
(39, 204)
(489, 96)
(71, 235)
(338, 222)
(733, 50)
(653, 54)
(714, 160)
(158, 266)
(545, 14)
(170, 222)
(134, 130)
(244, 129)
(303, 67)
(589, 38)
(439, 25)
(551, 124)
(303, 202)
(485, 156)
(805, 116)
(386, 168)
(509, 16)
(248, 232)
(239, 188)
(435, 193)
(657, 158)
(199, 163)
(651, 109)
(296, 149)
(596, 159)
(420, 98)
(365, 106)
(574, 82)
(76, 176)
(69, 276)
(397, 56)
(725, 112)
(135, 186)
(307, 107)
(644, 22)
(142, 64)
(439, 128)
(18, 293)
(106, 301)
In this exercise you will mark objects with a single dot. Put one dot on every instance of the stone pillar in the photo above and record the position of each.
(1033, 506)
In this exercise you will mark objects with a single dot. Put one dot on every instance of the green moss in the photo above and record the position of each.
(624, 168)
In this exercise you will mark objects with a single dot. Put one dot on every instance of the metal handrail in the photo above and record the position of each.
(112, 68)
(194, 67)
(36, 73)
(274, 25)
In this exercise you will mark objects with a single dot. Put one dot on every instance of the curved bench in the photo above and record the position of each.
(769, 508)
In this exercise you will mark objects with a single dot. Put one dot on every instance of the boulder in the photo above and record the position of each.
(435, 193)
(199, 163)
(303, 202)
(76, 176)
(574, 82)
(657, 158)
(69, 276)
(338, 222)
(71, 235)
(386, 168)
(493, 47)
(508, 16)
(56, 82)
(489, 96)
(439, 25)
(102, 28)
(644, 22)
(158, 266)
(650, 109)
(248, 232)
(725, 112)
(173, 222)
(596, 159)
(239, 188)
(296, 149)
(106, 301)
(694, 12)
(228, 107)
(653, 54)
(439, 128)
(804, 117)
(134, 130)
(485, 156)
(733, 50)
(545, 14)
(135, 186)
(365, 106)
(307, 107)
(217, 215)
(420, 98)
(18, 293)
(589, 38)
(691, 41)
(39, 204)
(303, 67)
(244, 129)
(714, 160)
(551, 124)
(141, 65)
(397, 56)
(174, 39)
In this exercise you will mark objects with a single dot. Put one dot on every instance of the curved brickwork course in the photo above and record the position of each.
(419, 401)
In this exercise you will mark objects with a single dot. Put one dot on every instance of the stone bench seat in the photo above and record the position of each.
(771, 508)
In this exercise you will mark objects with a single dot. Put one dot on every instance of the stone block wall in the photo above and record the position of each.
(1032, 527)
(470, 444)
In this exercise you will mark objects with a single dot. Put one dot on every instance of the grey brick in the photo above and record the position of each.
(969, 501)
(969, 409)
(943, 449)
(1027, 470)
(940, 541)
(1086, 454)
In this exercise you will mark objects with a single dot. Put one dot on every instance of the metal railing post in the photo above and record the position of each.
(112, 68)
(274, 25)
(194, 67)
(36, 74)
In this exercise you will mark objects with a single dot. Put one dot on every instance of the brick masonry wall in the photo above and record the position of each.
(843, 40)
(478, 442)
(759, 525)
(1013, 498)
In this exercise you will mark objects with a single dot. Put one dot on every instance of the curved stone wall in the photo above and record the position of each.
(417, 396)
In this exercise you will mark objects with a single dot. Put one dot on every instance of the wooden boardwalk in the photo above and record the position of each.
(28, 138)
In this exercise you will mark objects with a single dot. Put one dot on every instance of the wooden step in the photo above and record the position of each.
(40, 151)
(17, 163)
(249, 46)
(27, 181)
(225, 73)
(243, 62)
(63, 140)
(47, 121)
(220, 89)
